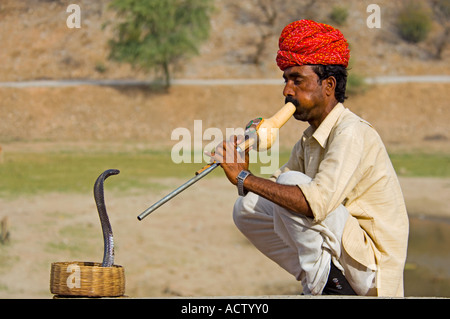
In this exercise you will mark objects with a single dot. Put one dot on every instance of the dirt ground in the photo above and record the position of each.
(188, 247)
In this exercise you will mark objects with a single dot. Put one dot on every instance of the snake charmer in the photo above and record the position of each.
(334, 215)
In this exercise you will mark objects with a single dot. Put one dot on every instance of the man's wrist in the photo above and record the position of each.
(240, 182)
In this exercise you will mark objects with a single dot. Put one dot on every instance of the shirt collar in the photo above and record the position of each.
(322, 133)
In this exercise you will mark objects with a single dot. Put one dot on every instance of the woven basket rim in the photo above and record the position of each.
(84, 263)
(88, 279)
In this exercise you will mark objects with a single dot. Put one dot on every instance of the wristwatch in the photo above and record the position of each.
(240, 182)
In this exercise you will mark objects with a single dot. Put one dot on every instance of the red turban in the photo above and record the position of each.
(308, 42)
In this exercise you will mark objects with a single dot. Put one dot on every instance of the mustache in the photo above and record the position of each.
(292, 100)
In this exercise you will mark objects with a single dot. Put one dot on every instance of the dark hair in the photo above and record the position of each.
(339, 72)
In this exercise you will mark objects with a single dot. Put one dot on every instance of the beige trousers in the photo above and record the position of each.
(299, 245)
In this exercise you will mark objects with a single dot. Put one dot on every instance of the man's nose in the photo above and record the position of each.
(288, 89)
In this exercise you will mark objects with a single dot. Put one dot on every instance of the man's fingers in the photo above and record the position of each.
(240, 139)
(217, 154)
(226, 151)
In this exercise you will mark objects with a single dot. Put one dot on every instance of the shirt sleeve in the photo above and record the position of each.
(337, 174)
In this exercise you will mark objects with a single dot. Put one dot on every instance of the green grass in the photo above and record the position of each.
(421, 165)
(25, 173)
(32, 173)
(410, 164)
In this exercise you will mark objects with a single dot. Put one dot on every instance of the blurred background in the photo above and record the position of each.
(107, 93)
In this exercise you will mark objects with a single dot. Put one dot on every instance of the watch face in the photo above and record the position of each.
(242, 174)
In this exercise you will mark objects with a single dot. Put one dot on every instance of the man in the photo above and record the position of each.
(334, 215)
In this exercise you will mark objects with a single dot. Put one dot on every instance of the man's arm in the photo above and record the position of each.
(287, 196)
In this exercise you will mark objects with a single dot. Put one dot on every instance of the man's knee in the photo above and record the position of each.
(239, 213)
(243, 210)
(293, 178)
(250, 210)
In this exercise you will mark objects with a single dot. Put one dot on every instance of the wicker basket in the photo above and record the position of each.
(86, 279)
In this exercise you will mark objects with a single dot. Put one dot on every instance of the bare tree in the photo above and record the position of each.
(266, 25)
(441, 13)
(269, 17)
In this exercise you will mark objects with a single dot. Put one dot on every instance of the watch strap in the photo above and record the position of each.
(240, 182)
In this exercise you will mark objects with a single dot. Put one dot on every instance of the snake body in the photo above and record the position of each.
(108, 253)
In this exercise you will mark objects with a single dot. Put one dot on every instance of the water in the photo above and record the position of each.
(427, 271)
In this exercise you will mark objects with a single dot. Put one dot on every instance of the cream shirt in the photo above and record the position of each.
(349, 165)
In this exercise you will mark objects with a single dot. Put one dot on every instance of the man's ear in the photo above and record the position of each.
(330, 85)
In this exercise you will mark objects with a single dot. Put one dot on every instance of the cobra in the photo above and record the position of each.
(108, 253)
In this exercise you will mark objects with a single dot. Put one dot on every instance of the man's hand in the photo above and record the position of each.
(230, 159)
(233, 162)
